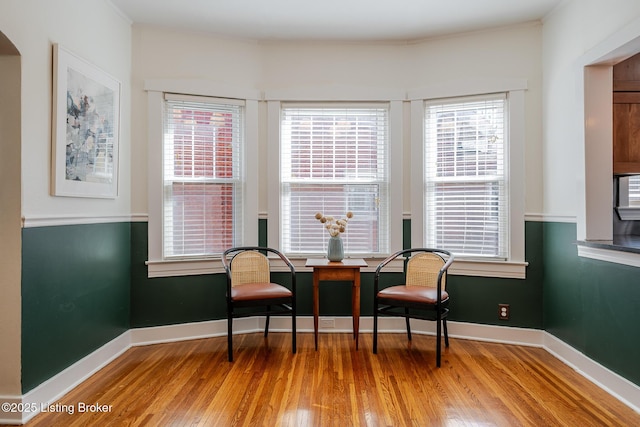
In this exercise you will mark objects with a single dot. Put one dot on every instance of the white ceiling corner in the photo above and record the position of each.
(340, 20)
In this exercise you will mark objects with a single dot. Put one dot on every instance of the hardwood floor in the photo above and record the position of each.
(191, 383)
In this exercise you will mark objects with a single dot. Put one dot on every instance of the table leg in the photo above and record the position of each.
(316, 304)
(355, 306)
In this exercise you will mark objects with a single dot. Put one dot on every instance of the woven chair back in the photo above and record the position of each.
(249, 267)
(423, 269)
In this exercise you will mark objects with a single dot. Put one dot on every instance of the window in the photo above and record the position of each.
(634, 190)
(202, 200)
(467, 147)
(628, 208)
(334, 159)
(466, 198)
(202, 164)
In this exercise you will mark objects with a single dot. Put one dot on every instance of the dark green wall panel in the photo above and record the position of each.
(170, 300)
(262, 233)
(173, 300)
(476, 299)
(592, 305)
(75, 294)
(163, 301)
(84, 285)
(406, 234)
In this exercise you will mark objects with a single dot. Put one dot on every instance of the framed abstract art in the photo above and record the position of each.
(86, 119)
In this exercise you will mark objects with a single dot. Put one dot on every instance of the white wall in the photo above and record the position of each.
(568, 33)
(165, 54)
(96, 32)
(93, 30)
(508, 53)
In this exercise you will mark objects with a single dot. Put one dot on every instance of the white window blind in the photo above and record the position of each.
(466, 201)
(203, 177)
(334, 159)
(634, 190)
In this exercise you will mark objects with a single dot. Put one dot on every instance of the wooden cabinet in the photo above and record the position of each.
(626, 116)
(626, 133)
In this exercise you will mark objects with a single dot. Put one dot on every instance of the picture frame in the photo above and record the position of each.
(85, 128)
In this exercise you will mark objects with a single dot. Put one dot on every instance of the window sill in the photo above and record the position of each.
(497, 269)
(184, 267)
(214, 266)
(461, 267)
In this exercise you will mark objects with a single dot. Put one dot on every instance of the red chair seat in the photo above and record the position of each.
(425, 272)
(255, 291)
(420, 294)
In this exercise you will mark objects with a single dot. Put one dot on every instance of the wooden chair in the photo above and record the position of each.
(423, 294)
(249, 285)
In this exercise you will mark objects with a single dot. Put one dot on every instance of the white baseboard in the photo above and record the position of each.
(57, 386)
(53, 389)
(179, 332)
(614, 384)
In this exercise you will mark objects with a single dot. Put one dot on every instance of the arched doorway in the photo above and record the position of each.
(10, 219)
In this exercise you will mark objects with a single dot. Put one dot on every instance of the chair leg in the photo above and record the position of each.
(438, 339)
(375, 327)
(293, 331)
(446, 334)
(266, 325)
(406, 318)
(230, 337)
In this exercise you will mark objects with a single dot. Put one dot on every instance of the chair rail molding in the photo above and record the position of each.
(31, 221)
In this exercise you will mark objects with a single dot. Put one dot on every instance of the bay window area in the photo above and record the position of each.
(465, 171)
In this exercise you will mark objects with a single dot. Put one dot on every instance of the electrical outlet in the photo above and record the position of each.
(327, 323)
(504, 311)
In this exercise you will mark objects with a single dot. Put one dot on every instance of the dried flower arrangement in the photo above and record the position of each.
(334, 226)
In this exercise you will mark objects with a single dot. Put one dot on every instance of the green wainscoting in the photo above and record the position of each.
(170, 300)
(84, 285)
(75, 294)
(163, 301)
(592, 305)
(476, 299)
(473, 299)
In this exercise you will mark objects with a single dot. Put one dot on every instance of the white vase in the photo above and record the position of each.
(335, 250)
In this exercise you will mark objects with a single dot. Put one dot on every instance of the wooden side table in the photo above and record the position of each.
(346, 270)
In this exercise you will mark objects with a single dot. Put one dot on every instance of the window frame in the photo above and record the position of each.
(178, 180)
(498, 179)
(382, 185)
(157, 265)
(275, 99)
(514, 266)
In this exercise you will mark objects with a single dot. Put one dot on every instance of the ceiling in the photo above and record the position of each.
(339, 20)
